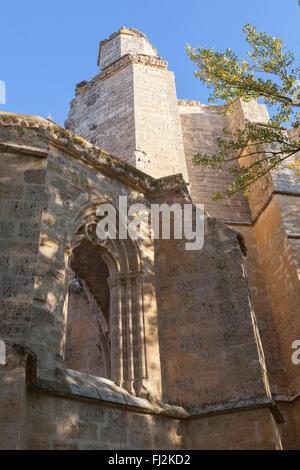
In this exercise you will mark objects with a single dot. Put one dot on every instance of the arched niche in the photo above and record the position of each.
(119, 296)
(87, 346)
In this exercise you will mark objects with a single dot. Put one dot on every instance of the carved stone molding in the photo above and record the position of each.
(190, 103)
(83, 150)
(127, 59)
(119, 64)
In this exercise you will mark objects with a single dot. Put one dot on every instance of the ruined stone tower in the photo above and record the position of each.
(140, 344)
(130, 108)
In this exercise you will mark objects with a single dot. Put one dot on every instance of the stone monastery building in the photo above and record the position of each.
(142, 344)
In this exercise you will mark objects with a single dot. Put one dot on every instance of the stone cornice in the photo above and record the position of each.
(196, 104)
(190, 103)
(151, 61)
(91, 155)
(119, 64)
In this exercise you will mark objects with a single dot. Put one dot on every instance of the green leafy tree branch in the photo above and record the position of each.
(269, 75)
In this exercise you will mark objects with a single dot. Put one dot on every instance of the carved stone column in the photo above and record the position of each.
(139, 383)
(116, 330)
(128, 355)
(129, 336)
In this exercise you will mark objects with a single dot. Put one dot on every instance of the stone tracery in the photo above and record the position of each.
(126, 312)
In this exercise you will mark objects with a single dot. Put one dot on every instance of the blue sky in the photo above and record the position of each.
(48, 47)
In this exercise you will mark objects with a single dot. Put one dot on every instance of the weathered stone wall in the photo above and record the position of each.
(125, 41)
(263, 311)
(295, 246)
(22, 181)
(284, 179)
(12, 396)
(232, 431)
(272, 222)
(200, 329)
(287, 187)
(68, 180)
(58, 423)
(103, 113)
(206, 323)
(267, 222)
(290, 212)
(209, 363)
(71, 414)
(289, 430)
(201, 126)
(22, 186)
(248, 111)
(109, 52)
(158, 133)
(282, 284)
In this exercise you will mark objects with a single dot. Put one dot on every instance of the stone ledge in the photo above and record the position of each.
(197, 104)
(191, 103)
(253, 219)
(285, 398)
(119, 64)
(127, 59)
(76, 385)
(287, 192)
(23, 149)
